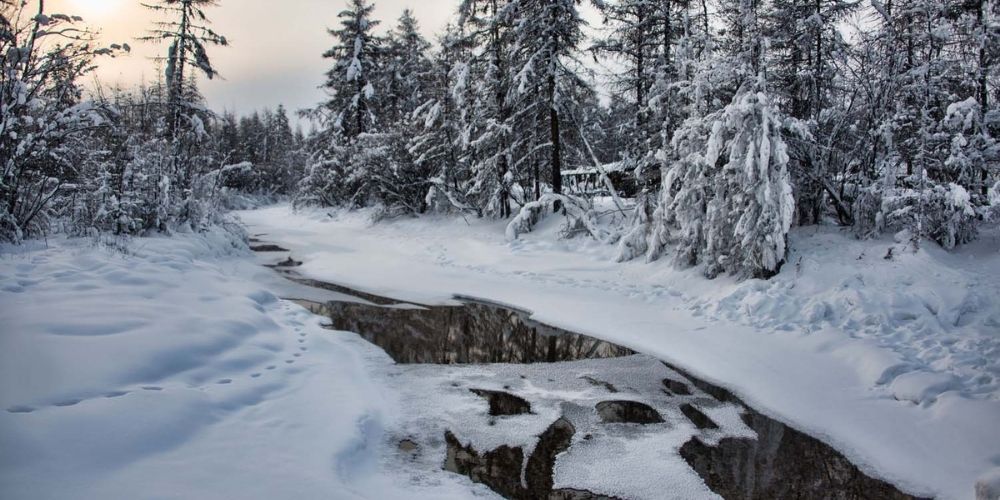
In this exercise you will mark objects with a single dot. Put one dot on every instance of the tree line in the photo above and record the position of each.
(125, 160)
(737, 120)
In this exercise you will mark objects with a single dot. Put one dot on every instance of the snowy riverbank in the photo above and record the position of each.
(894, 362)
(174, 372)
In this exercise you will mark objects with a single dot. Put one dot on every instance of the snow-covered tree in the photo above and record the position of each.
(189, 33)
(406, 69)
(485, 83)
(752, 207)
(805, 57)
(546, 75)
(726, 198)
(437, 143)
(43, 118)
(351, 86)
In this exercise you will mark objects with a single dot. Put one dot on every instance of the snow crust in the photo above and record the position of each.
(620, 460)
(895, 362)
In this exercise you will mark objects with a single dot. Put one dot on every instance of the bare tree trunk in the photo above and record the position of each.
(501, 103)
(176, 82)
(983, 90)
(556, 143)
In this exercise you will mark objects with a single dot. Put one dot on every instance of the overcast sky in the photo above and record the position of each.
(276, 45)
(276, 48)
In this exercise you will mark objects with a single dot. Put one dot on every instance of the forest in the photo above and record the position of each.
(731, 120)
(520, 249)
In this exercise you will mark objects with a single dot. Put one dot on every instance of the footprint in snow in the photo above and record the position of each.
(20, 409)
(303, 349)
(70, 402)
(289, 361)
(225, 381)
(254, 375)
(152, 388)
(115, 394)
(271, 367)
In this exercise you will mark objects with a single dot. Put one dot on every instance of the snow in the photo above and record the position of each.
(170, 366)
(988, 487)
(892, 361)
(636, 462)
(173, 370)
(960, 198)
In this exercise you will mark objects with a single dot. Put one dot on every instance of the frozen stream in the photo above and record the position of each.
(535, 411)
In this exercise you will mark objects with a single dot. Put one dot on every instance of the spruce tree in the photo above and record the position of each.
(487, 126)
(351, 84)
(189, 33)
(546, 74)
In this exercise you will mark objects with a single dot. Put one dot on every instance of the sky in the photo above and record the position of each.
(275, 52)
(276, 48)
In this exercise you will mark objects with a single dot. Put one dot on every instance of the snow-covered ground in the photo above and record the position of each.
(625, 460)
(895, 362)
(173, 371)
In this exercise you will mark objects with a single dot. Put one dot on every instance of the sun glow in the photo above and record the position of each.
(92, 10)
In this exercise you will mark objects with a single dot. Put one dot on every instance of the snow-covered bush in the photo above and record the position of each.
(43, 117)
(579, 213)
(942, 214)
(866, 212)
(324, 182)
(635, 240)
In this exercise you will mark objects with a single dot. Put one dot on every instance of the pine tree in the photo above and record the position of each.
(546, 74)
(406, 69)
(350, 109)
(806, 51)
(631, 39)
(486, 80)
(681, 209)
(652, 37)
(437, 143)
(188, 34)
(752, 207)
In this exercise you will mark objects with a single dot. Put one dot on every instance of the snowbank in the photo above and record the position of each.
(173, 371)
(893, 362)
(936, 312)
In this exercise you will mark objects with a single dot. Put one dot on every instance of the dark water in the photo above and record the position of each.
(782, 463)
(474, 332)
